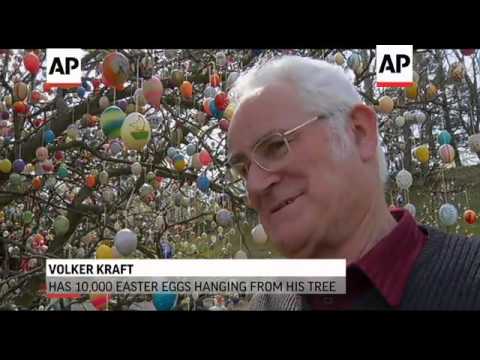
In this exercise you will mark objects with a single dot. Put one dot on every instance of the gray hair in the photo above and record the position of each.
(323, 87)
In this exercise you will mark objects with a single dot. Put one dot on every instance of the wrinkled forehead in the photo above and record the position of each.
(276, 107)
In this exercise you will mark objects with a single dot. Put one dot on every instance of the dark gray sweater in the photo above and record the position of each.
(446, 276)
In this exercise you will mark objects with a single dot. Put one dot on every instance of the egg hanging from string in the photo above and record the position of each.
(103, 103)
(353, 61)
(5, 166)
(153, 91)
(444, 137)
(411, 92)
(125, 242)
(20, 107)
(18, 165)
(72, 132)
(470, 217)
(400, 121)
(240, 254)
(27, 217)
(116, 147)
(108, 195)
(99, 301)
(103, 252)
(172, 152)
(431, 91)
(216, 113)
(139, 98)
(409, 116)
(458, 72)
(206, 106)
(339, 58)
(215, 80)
(164, 301)
(115, 69)
(404, 179)
(111, 121)
(191, 149)
(447, 153)
(31, 63)
(178, 77)
(62, 171)
(224, 217)
(474, 142)
(136, 169)
(448, 214)
(221, 101)
(180, 163)
(203, 183)
(259, 235)
(196, 163)
(229, 111)
(205, 158)
(103, 177)
(220, 59)
(224, 124)
(48, 136)
(135, 131)
(420, 117)
(186, 89)
(209, 92)
(20, 91)
(61, 225)
(37, 183)
(422, 153)
(386, 104)
(91, 181)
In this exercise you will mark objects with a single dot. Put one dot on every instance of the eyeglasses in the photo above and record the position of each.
(271, 152)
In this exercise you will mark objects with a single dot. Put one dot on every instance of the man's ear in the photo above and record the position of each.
(365, 131)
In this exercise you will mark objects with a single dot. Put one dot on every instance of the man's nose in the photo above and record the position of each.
(258, 182)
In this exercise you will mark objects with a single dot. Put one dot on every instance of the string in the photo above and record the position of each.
(466, 196)
(114, 95)
(444, 186)
(240, 242)
(209, 74)
(138, 81)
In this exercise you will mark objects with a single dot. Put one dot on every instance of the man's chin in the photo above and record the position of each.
(290, 246)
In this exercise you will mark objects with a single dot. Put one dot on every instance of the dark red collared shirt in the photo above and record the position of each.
(385, 267)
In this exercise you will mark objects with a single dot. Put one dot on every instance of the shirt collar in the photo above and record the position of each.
(389, 263)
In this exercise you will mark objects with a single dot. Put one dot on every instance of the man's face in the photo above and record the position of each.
(303, 205)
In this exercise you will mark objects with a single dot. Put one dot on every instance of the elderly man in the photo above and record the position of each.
(308, 150)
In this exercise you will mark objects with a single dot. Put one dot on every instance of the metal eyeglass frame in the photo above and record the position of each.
(284, 136)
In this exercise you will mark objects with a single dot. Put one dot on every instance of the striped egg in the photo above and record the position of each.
(111, 121)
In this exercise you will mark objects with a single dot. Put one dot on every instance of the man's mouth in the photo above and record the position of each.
(284, 203)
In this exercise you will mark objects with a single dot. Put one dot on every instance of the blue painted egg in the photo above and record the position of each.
(48, 136)
(164, 301)
(203, 183)
(444, 138)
